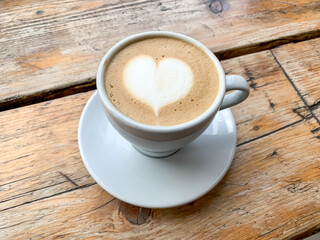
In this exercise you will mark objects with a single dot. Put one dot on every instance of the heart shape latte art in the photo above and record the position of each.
(158, 84)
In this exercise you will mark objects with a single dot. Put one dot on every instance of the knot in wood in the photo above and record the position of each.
(135, 215)
(216, 6)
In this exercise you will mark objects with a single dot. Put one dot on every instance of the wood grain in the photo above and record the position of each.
(271, 190)
(39, 151)
(46, 133)
(46, 46)
(316, 111)
(301, 63)
(272, 104)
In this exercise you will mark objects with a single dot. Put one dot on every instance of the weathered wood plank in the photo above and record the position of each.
(42, 137)
(316, 111)
(272, 103)
(270, 192)
(301, 63)
(39, 151)
(50, 45)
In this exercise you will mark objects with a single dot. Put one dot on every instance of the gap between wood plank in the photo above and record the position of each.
(89, 84)
(269, 133)
(31, 191)
(50, 94)
(53, 195)
(307, 233)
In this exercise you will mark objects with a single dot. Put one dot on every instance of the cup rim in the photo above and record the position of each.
(150, 128)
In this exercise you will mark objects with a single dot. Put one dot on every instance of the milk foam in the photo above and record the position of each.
(157, 84)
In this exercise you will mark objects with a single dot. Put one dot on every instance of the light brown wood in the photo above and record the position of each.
(272, 104)
(46, 133)
(38, 156)
(301, 63)
(271, 190)
(316, 111)
(52, 45)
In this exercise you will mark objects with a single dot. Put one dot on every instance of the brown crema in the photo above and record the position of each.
(199, 98)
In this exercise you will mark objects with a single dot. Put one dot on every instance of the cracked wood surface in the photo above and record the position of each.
(270, 191)
(271, 110)
(301, 63)
(52, 48)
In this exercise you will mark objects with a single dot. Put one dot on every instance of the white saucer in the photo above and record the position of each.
(154, 182)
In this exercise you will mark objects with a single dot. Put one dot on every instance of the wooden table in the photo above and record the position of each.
(49, 54)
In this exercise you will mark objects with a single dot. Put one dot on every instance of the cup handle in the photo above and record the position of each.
(240, 85)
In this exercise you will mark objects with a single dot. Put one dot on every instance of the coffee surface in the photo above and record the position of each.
(161, 81)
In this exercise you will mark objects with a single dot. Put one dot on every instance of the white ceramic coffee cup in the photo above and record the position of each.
(161, 141)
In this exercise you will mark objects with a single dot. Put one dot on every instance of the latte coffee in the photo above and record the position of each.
(161, 81)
